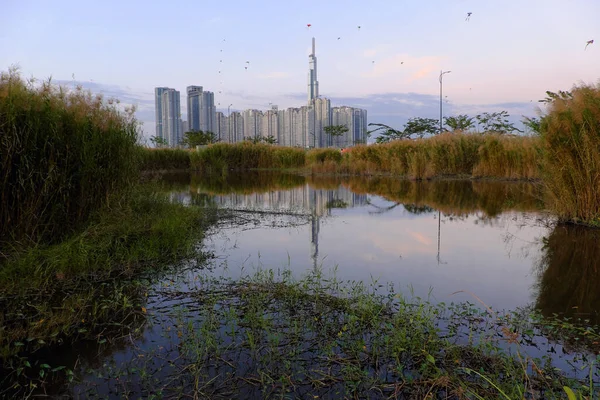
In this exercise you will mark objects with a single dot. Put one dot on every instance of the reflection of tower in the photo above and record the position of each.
(439, 219)
(314, 231)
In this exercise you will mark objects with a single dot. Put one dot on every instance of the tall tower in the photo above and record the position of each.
(313, 83)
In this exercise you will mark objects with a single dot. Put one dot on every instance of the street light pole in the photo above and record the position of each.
(229, 122)
(441, 114)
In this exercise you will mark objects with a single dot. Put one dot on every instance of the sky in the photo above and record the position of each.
(503, 58)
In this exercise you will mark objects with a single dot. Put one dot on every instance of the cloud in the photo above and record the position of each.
(402, 69)
(274, 75)
(372, 52)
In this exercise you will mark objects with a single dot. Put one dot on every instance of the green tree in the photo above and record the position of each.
(496, 122)
(335, 130)
(192, 139)
(269, 139)
(459, 123)
(421, 126)
(158, 141)
(387, 133)
(534, 124)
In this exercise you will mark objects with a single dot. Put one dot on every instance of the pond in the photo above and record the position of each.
(488, 239)
(490, 244)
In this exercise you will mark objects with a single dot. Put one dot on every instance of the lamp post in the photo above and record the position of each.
(229, 122)
(441, 115)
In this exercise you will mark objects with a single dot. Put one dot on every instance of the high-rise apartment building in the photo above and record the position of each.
(201, 109)
(158, 91)
(252, 123)
(171, 117)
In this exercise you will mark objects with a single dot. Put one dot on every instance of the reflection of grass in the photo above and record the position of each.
(337, 203)
(271, 335)
(456, 197)
(85, 287)
(569, 273)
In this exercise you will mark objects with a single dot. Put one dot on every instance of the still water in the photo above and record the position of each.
(492, 240)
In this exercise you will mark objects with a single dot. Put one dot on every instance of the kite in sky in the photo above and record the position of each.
(588, 43)
(359, 27)
(339, 38)
(468, 16)
(308, 26)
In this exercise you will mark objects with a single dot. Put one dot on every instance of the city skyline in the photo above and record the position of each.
(504, 58)
(305, 126)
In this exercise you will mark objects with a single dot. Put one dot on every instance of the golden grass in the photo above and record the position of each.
(571, 155)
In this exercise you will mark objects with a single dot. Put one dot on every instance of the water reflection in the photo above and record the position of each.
(569, 273)
(486, 237)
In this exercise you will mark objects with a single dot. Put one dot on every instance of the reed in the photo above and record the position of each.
(164, 159)
(243, 156)
(62, 154)
(448, 154)
(571, 154)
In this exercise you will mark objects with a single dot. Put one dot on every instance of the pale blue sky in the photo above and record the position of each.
(509, 52)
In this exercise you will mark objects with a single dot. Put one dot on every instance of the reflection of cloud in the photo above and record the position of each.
(420, 238)
(399, 241)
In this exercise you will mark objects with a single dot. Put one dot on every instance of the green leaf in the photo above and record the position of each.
(570, 393)
(430, 358)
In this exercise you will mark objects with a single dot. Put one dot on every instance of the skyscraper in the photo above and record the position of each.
(201, 109)
(313, 83)
(158, 91)
(194, 94)
(171, 117)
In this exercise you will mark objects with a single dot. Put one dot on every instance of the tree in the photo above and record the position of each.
(270, 139)
(192, 139)
(388, 133)
(496, 122)
(459, 123)
(158, 141)
(335, 130)
(421, 126)
(534, 124)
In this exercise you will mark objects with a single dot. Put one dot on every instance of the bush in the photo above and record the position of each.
(571, 154)
(62, 153)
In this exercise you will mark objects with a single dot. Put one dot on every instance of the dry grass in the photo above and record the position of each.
(449, 154)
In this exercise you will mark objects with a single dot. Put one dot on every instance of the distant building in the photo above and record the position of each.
(355, 119)
(252, 123)
(201, 109)
(313, 83)
(158, 91)
(171, 117)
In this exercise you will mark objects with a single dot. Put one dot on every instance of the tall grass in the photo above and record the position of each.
(62, 154)
(571, 154)
(449, 154)
(244, 156)
(164, 159)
